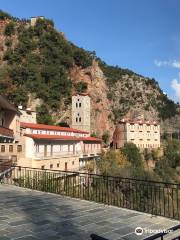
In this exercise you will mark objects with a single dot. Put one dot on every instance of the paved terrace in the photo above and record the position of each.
(29, 215)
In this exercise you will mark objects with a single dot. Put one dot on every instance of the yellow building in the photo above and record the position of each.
(144, 134)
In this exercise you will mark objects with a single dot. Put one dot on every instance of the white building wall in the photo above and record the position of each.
(29, 148)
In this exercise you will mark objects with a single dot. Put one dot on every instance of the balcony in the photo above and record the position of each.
(50, 216)
(6, 132)
(95, 152)
(40, 156)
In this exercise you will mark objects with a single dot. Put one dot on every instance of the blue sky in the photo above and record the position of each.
(142, 35)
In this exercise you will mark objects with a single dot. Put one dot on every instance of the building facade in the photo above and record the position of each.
(10, 139)
(9, 122)
(34, 20)
(81, 112)
(43, 146)
(144, 134)
(56, 148)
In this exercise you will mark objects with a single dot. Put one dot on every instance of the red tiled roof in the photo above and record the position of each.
(57, 137)
(50, 127)
(91, 139)
(81, 94)
(138, 122)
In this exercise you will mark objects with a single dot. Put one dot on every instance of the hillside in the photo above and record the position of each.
(40, 68)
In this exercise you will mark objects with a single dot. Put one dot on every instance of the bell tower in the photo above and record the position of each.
(81, 112)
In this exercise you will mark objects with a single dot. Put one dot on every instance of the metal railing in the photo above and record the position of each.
(169, 232)
(5, 164)
(157, 198)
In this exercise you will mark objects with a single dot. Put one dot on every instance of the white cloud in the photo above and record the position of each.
(176, 87)
(171, 63)
(175, 64)
(160, 63)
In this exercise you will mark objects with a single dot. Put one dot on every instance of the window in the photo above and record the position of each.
(79, 104)
(57, 165)
(76, 105)
(51, 166)
(72, 162)
(10, 148)
(19, 148)
(3, 148)
(80, 119)
(43, 167)
(37, 148)
(76, 119)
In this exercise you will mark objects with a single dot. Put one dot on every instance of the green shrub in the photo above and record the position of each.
(9, 29)
(81, 87)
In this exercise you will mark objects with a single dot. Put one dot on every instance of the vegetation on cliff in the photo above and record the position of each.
(38, 60)
(130, 162)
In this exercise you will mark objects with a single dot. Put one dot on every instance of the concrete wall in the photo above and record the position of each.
(11, 149)
(119, 136)
(72, 163)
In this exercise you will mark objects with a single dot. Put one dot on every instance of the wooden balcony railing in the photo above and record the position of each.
(6, 132)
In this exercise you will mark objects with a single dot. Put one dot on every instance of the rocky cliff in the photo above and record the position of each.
(40, 68)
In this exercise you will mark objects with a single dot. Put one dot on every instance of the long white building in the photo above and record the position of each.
(57, 148)
(144, 134)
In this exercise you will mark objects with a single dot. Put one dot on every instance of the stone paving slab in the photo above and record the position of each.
(32, 215)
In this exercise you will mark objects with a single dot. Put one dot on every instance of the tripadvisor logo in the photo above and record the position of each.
(139, 231)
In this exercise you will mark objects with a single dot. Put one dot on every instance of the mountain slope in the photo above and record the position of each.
(40, 68)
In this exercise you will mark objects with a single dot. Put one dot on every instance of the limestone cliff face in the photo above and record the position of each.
(115, 92)
(101, 109)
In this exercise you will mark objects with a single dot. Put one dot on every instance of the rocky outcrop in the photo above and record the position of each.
(101, 109)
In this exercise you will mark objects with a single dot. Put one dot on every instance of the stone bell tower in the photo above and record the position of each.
(81, 112)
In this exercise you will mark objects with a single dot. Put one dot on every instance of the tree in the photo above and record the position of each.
(93, 134)
(111, 162)
(43, 115)
(81, 87)
(4, 15)
(63, 124)
(133, 154)
(172, 153)
(105, 137)
(9, 29)
(147, 154)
